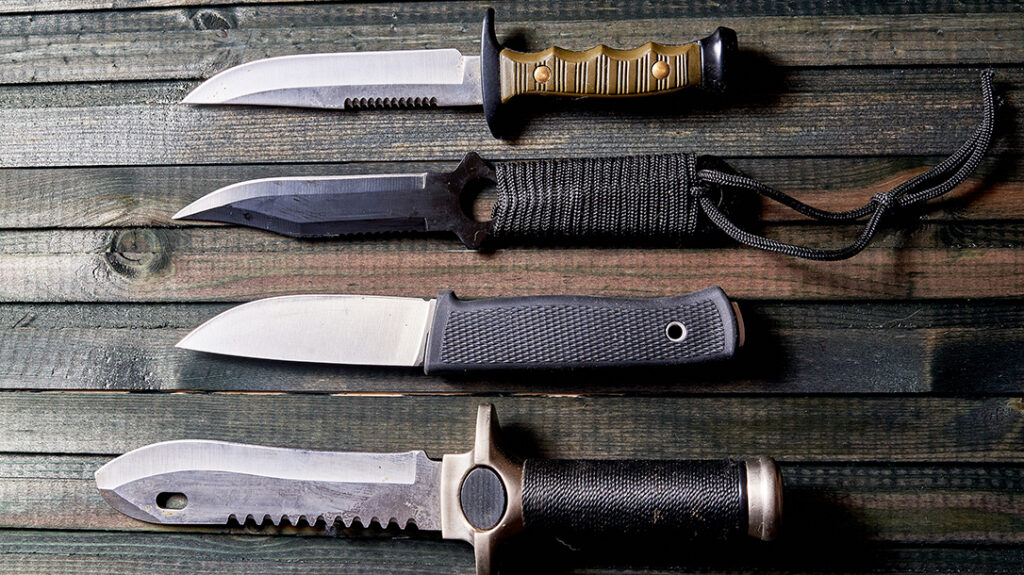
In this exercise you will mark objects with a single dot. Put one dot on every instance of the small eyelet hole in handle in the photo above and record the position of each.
(167, 500)
(675, 331)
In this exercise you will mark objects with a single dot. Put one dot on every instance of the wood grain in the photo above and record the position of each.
(793, 429)
(933, 504)
(180, 44)
(149, 195)
(798, 124)
(869, 348)
(234, 264)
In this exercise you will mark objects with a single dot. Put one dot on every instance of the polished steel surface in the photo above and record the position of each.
(764, 498)
(344, 329)
(223, 480)
(409, 78)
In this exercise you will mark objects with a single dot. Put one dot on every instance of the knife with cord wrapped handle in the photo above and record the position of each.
(482, 496)
(444, 77)
(448, 334)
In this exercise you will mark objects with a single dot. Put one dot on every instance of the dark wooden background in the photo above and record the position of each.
(889, 386)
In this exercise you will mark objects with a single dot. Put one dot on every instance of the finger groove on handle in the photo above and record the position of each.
(583, 499)
(601, 71)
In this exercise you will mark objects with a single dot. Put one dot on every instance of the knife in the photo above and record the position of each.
(428, 78)
(482, 496)
(625, 199)
(448, 334)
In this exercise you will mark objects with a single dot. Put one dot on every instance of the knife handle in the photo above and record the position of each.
(585, 500)
(606, 72)
(563, 332)
(601, 71)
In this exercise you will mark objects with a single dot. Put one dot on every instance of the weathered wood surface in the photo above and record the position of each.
(890, 386)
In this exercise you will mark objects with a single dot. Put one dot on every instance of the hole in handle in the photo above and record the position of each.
(168, 500)
(675, 331)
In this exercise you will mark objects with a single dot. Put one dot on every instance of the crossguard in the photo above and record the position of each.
(487, 497)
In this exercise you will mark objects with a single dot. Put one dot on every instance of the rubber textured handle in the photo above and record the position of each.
(583, 500)
(559, 332)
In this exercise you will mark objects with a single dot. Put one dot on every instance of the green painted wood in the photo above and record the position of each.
(792, 429)
(874, 348)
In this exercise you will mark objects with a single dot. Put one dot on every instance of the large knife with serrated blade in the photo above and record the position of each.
(482, 496)
(453, 335)
(445, 77)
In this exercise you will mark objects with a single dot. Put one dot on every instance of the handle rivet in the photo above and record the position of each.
(542, 74)
(660, 69)
(675, 331)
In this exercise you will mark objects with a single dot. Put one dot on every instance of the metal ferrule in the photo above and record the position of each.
(764, 498)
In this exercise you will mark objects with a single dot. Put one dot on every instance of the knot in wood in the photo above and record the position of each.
(207, 19)
(139, 254)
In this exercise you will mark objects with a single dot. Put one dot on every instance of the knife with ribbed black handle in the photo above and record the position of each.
(481, 496)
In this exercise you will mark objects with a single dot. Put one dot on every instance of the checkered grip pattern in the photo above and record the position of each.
(580, 334)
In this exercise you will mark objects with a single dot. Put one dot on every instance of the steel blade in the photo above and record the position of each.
(212, 482)
(411, 78)
(348, 329)
(324, 206)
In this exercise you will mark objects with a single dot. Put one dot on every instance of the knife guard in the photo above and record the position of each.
(569, 332)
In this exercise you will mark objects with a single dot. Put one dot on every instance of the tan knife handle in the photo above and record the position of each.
(601, 71)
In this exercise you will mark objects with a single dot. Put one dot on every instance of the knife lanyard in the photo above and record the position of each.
(682, 196)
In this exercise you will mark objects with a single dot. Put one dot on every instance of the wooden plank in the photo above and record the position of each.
(148, 196)
(793, 429)
(232, 264)
(870, 348)
(933, 504)
(797, 124)
(550, 9)
(34, 552)
(181, 44)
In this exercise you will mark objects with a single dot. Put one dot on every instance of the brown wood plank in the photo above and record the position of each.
(547, 9)
(935, 504)
(874, 347)
(797, 124)
(793, 429)
(183, 44)
(148, 196)
(235, 264)
(34, 552)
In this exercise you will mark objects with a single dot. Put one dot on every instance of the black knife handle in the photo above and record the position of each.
(585, 500)
(561, 332)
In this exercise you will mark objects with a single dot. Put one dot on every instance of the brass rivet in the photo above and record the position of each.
(542, 74)
(660, 69)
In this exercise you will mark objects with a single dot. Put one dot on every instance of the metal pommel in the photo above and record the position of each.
(716, 53)
(764, 498)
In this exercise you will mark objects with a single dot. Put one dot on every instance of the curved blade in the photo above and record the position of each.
(349, 329)
(311, 207)
(408, 78)
(210, 482)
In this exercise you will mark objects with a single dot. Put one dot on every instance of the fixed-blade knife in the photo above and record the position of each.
(482, 496)
(448, 334)
(445, 77)
(626, 199)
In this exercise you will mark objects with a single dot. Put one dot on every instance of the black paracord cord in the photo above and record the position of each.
(942, 178)
(679, 197)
